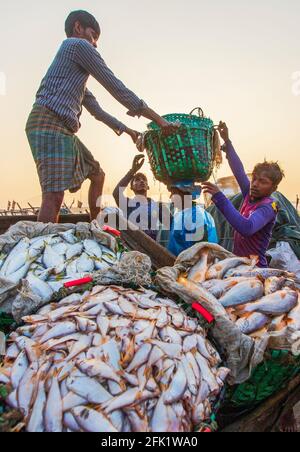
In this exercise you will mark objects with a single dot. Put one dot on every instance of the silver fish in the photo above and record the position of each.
(85, 264)
(60, 249)
(19, 249)
(54, 409)
(177, 387)
(36, 422)
(219, 270)
(26, 389)
(12, 400)
(159, 421)
(140, 358)
(170, 350)
(72, 400)
(69, 236)
(59, 330)
(58, 313)
(243, 293)
(145, 335)
(254, 322)
(197, 273)
(70, 422)
(98, 368)
(74, 251)
(206, 373)
(20, 274)
(170, 335)
(275, 304)
(128, 398)
(92, 249)
(52, 259)
(274, 284)
(73, 300)
(89, 389)
(18, 370)
(294, 316)
(92, 421)
(218, 287)
(138, 424)
(190, 343)
(191, 378)
(80, 346)
(264, 273)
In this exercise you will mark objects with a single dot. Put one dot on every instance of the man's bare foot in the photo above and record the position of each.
(288, 423)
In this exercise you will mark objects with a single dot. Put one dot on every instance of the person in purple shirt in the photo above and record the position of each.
(254, 223)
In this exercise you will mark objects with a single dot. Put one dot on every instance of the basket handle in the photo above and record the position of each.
(199, 110)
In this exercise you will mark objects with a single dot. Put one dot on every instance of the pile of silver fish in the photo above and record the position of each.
(48, 262)
(112, 360)
(258, 300)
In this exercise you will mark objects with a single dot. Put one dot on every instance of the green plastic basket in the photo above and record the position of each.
(187, 154)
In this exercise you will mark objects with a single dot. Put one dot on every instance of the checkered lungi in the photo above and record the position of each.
(63, 162)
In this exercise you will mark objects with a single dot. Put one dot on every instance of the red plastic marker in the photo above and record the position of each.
(78, 282)
(200, 309)
(111, 231)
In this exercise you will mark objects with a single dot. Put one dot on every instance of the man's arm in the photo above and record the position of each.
(118, 192)
(93, 107)
(90, 59)
(244, 226)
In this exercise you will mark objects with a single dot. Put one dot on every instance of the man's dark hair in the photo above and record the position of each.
(136, 176)
(86, 20)
(272, 170)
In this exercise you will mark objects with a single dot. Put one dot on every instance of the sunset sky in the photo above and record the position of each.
(233, 58)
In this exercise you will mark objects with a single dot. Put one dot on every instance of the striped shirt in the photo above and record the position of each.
(63, 89)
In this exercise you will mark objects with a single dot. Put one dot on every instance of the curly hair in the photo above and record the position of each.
(136, 176)
(273, 170)
(86, 20)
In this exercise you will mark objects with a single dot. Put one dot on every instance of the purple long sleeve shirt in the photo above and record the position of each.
(253, 225)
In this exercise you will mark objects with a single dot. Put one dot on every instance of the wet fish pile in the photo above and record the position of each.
(48, 262)
(111, 360)
(257, 300)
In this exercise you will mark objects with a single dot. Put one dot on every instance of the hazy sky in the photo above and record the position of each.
(233, 58)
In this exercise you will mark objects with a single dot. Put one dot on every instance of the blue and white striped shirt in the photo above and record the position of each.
(63, 89)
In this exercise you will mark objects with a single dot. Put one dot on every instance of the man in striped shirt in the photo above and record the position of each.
(63, 162)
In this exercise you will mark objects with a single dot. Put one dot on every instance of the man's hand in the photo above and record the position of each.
(210, 188)
(223, 130)
(168, 128)
(138, 162)
(133, 134)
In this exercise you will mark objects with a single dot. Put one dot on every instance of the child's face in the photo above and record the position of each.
(262, 186)
(140, 184)
(92, 36)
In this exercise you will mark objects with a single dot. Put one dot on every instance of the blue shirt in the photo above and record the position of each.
(63, 90)
(189, 227)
